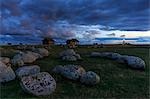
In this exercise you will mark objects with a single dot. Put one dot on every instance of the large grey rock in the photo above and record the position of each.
(24, 57)
(112, 55)
(122, 59)
(89, 78)
(69, 58)
(68, 52)
(5, 60)
(42, 51)
(58, 69)
(6, 73)
(17, 60)
(28, 58)
(95, 54)
(69, 55)
(27, 70)
(36, 55)
(135, 62)
(78, 56)
(40, 84)
(72, 72)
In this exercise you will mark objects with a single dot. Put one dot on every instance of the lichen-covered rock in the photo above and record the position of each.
(42, 51)
(28, 57)
(95, 54)
(113, 56)
(5, 60)
(122, 59)
(78, 56)
(135, 62)
(72, 72)
(69, 55)
(6, 73)
(34, 54)
(58, 69)
(69, 58)
(24, 57)
(77, 68)
(17, 60)
(27, 70)
(68, 52)
(89, 78)
(40, 84)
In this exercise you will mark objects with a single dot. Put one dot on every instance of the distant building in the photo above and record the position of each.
(72, 43)
(48, 41)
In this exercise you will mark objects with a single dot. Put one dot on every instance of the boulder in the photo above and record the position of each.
(40, 84)
(95, 54)
(27, 70)
(68, 52)
(17, 60)
(34, 54)
(69, 55)
(89, 78)
(72, 72)
(42, 51)
(113, 56)
(5, 60)
(122, 59)
(135, 62)
(6, 73)
(58, 69)
(24, 57)
(69, 58)
(78, 56)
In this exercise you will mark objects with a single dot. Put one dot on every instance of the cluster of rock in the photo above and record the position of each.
(132, 61)
(76, 72)
(35, 82)
(69, 55)
(6, 72)
(22, 58)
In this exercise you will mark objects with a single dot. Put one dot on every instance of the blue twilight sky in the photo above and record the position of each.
(90, 21)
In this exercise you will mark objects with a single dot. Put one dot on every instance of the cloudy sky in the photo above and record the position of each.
(101, 21)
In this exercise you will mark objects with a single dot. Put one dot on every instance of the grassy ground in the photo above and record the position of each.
(117, 80)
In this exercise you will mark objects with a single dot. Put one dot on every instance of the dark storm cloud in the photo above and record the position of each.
(112, 34)
(43, 17)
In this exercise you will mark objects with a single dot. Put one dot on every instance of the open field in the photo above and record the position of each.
(117, 80)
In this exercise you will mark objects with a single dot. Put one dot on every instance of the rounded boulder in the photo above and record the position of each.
(40, 84)
(89, 78)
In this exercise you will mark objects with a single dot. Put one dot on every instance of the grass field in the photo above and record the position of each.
(117, 80)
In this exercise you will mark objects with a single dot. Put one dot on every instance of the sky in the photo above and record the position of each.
(90, 21)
